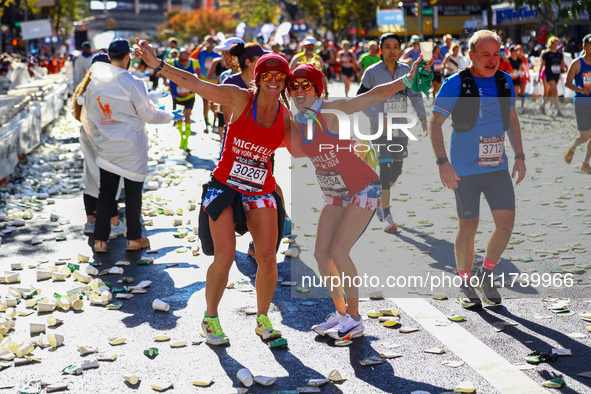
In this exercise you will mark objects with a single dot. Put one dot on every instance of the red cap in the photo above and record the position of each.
(270, 62)
(311, 73)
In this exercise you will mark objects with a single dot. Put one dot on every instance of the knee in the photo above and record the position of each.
(338, 253)
(468, 227)
(223, 262)
(322, 256)
(266, 258)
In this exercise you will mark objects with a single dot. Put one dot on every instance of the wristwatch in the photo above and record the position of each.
(519, 156)
(441, 161)
(160, 66)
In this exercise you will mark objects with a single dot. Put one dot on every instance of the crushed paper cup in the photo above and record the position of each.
(435, 350)
(42, 341)
(131, 379)
(114, 341)
(317, 382)
(151, 352)
(161, 338)
(245, 377)
(12, 277)
(144, 284)
(406, 330)
(53, 321)
(390, 355)
(373, 360)
(7, 355)
(178, 344)
(16, 266)
(58, 276)
(122, 263)
(24, 349)
(10, 312)
(36, 328)
(89, 364)
(308, 389)
(335, 376)
(162, 386)
(106, 295)
(389, 312)
(107, 357)
(31, 303)
(9, 302)
(59, 386)
(453, 364)
(465, 387)
(264, 380)
(86, 349)
(203, 381)
(36, 241)
(124, 296)
(160, 305)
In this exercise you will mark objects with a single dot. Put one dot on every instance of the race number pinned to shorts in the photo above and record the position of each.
(395, 104)
(248, 175)
(491, 151)
(332, 184)
(555, 68)
(587, 80)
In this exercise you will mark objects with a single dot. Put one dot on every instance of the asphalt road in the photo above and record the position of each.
(552, 222)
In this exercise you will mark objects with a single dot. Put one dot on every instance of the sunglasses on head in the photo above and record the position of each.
(306, 85)
(267, 76)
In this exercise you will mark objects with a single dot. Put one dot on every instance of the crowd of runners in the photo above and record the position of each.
(264, 98)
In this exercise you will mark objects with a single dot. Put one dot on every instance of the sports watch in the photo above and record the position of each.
(519, 156)
(441, 161)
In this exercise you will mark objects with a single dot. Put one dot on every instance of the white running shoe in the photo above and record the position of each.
(331, 320)
(347, 329)
(89, 228)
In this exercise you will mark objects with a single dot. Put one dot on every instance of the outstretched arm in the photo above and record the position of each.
(221, 94)
(375, 95)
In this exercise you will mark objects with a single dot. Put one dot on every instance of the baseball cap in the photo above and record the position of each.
(85, 45)
(512, 48)
(309, 41)
(101, 57)
(119, 46)
(587, 39)
(227, 44)
(414, 38)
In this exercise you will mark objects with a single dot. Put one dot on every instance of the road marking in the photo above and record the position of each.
(495, 369)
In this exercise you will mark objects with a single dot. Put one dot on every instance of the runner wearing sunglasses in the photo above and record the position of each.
(351, 188)
(242, 188)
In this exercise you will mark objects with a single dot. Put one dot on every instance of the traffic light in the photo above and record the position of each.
(14, 42)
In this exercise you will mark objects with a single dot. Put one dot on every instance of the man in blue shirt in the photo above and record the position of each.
(478, 160)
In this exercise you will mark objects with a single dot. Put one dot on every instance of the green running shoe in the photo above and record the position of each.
(213, 331)
(265, 328)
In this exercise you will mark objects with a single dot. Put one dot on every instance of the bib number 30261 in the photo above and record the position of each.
(248, 175)
(491, 151)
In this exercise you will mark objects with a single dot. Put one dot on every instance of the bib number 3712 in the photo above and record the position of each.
(491, 151)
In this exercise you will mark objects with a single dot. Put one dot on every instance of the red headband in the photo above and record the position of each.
(270, 62)
(308, 71)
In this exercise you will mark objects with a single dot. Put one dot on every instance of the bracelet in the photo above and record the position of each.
(406, 81)
(160, 66)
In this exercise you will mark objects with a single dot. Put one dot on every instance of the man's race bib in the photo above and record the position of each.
(555, 68)
(332, 184)
(491, 151)
(248, 175)
(395, 104)
(182, 92)
(587, 79)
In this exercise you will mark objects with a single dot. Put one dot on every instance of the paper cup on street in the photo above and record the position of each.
(10, 301)
(292, 252)
(131, 378)
(42, 275)
(245, 377)
(24, 350)
(76, 303)
(12, 277)
(106, 296)
(177, 222)
(58, 276)
(53, 321)
(44, 307)
(160, 305)
(10, 312)
(55, 340)
(18, 222)
(37, 327)
(90, 270)
(16, 266)
(427, 50)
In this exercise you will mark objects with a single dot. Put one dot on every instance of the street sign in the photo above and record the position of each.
(394, 16)
(36, 29)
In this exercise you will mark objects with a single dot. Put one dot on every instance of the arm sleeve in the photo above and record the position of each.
(146, 110)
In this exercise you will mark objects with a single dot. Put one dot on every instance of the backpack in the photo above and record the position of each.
(465, 116)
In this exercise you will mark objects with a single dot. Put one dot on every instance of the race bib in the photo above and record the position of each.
(437, 67)
(149, 71)
(395, 104)
(182, 92)
(587, 79)
(332, 184)
(248, 175)
(555, 68)
(208, 64)
(491, 151)
(515, 74)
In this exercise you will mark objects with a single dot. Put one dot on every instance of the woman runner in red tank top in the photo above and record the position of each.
(351, 187)
(242, 183)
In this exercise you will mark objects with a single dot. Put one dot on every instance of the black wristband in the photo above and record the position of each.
(519, 156)
(160, 66)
